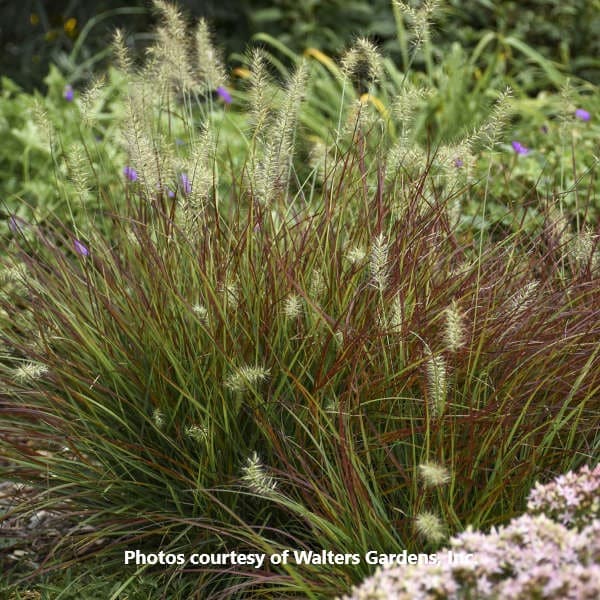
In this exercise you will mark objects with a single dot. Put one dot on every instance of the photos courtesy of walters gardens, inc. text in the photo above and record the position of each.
(325, 557)
(300, 300)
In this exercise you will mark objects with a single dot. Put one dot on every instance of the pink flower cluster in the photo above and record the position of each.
(533, 557)
(572, 499)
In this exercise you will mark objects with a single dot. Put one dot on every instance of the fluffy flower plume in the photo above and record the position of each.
(454, 333)
(437, 384)
(255, 477)
(292, 307)
(29, 372)
(379, 262)
(430, 526)
(245, 378)
(433, 475)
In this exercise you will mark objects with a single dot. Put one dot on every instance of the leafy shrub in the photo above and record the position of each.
(46, 136)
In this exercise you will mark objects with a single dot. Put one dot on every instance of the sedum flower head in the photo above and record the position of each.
(572, 499)
(255, 477)
(245, 378)
(29, 371)
(433, 474)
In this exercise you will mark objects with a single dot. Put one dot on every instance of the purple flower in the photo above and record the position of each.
(130, 173)
(13, 225)
(458, 163)
(80, 248)
(68, 93)
(224, 94)
(186, 184)
(582, 114)
(519, 148)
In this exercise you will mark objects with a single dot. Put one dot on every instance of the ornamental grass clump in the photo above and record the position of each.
(247, 312)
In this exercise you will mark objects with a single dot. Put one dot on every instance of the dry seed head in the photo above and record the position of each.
(437, 384)
(390, 320)
(292, 307)
(433, 474)
(378, 263)
(363, 61)
(430, 526)
(454, 331)
(29, 372)
(255, 477)
(208, 63)
(246, 378)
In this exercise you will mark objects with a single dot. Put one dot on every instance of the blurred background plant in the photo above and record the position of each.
(74, 34)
